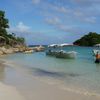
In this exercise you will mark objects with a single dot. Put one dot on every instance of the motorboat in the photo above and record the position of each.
(64, 54)
(51, 52)
(95, 51)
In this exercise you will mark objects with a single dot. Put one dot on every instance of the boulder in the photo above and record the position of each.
(1, 53)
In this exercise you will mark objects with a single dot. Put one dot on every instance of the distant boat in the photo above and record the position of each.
(53, 45)
(65, 44)
(97, 45)
(96, 50)
(59, 45)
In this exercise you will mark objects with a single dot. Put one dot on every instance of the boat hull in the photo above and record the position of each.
(62, 54)
(68, 55)
(51, 53)
(95, 51)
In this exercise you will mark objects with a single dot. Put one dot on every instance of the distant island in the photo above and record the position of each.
(91, 39)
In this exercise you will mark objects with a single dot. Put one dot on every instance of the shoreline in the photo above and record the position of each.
(34, 88)
(22, 49)
(9, 93)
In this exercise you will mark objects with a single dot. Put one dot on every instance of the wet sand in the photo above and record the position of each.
(32, 88)
(8, 92)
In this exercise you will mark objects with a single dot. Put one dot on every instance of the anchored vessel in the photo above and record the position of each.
(61, 53)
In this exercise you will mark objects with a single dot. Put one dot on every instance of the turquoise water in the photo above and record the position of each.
(80, 74)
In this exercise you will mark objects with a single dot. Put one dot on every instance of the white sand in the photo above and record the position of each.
(35, 89)
(9, 93)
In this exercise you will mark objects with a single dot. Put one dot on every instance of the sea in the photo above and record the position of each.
(80, 75)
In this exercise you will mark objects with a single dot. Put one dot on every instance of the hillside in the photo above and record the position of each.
(90, 39)
(8, 38)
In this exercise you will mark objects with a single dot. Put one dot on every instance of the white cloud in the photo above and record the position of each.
(90, 19)
(36, 1)
(78, 13)
(53, 21)
(58, 25)
(61, 9)
(23, 27)
(86, 2)
(20, 27)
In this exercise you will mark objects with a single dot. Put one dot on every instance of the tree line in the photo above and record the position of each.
(5, 37)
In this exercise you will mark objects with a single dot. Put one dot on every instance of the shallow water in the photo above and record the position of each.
(80, 74)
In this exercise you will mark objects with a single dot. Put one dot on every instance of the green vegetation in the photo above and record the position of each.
(5, 37)
(90, 39)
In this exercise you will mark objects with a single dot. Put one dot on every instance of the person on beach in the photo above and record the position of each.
(97, 58)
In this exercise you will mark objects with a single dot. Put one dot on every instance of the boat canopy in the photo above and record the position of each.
(60, 45)
(97, 45)
(53, 45)
(65, 44)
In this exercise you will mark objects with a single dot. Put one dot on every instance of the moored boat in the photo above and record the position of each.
(51, 52)
(95, 51)
(61, 53)
(67, 55)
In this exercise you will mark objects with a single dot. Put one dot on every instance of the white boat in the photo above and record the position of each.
(95, 51)
(64, 54)
(51, 52)
(97, 45)
(53, 45)
(61, 53)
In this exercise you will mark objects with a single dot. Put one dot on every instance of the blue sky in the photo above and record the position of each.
(52, 21)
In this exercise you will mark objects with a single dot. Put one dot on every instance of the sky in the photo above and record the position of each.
(52, 21)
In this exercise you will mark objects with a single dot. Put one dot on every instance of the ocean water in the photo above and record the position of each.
(80, 75)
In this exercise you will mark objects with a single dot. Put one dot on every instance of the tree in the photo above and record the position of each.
(90, 39)
(3, 23)
(20, 40)
(8, 38)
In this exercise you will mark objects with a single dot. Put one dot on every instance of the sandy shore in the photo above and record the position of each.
(9, 93)
(35, 89)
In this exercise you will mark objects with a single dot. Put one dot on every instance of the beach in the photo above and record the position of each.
(18, 84)
(49, 50)
(8, 92)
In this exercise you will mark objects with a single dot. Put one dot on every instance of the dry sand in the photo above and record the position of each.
(9, 93)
